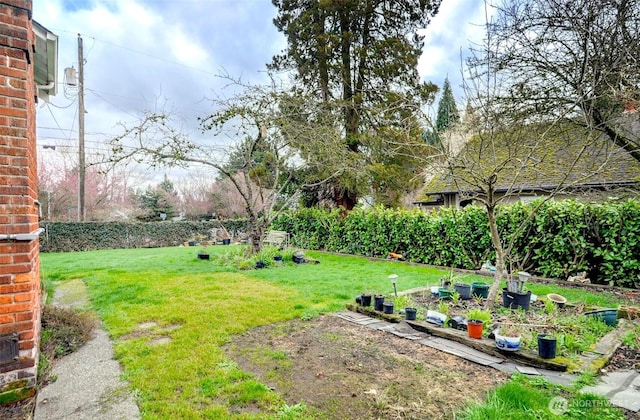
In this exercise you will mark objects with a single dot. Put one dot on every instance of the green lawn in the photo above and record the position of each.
(190, 377)
(200, 305)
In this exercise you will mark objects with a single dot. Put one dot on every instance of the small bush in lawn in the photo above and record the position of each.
(63, 332)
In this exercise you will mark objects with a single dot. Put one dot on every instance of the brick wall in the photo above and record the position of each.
(19, 260)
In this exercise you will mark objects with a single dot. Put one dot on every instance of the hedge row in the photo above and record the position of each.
(87, 236)
(560, 240)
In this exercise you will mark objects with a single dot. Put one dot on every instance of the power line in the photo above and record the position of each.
(142, 53)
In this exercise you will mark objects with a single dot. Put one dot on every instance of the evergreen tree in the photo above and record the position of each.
(447, 111)
(360, 59)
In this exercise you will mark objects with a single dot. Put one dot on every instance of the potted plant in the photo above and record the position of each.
(410, 313)
(477, 318)
(508, 338)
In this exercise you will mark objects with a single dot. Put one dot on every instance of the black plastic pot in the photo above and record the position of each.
(546, 346)
(387, 307)
(514, 300)
(464, 290)
(410, 313)
(365, 300)
(378, 300)
(259, 264)
(457, 322)
(203, 256)
(226, 241)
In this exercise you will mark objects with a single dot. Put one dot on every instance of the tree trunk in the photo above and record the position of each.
(497, 245)
(256, 233)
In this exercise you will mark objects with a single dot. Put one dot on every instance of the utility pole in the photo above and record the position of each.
(81, 162)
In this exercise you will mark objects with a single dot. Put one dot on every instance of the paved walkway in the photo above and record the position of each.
(622, 388)
(89, 384)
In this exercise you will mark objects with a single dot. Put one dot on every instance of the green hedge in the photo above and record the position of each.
(562, 239)
(87, 236)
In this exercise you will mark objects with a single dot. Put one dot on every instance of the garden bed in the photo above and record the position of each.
(584, 343)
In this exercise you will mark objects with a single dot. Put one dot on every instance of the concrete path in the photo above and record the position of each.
(89, 384)
(621, 388)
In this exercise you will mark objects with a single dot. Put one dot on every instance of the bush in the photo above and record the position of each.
(63, 332)
(88, 236)
(561, 239)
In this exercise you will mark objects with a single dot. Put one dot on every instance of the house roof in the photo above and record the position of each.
(529, 162)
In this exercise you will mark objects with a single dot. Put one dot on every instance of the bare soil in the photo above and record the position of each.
(342, 370)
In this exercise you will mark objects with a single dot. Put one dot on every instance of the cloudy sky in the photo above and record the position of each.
(147, 54)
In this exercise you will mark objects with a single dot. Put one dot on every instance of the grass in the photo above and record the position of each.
(537, 399)
(200, 305)
(190, 377)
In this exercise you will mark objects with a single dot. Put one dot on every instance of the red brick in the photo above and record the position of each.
(6, 259)
(23, 297)
(21, 258)
(23, 277)
(15, 268)
(24, 316)
(27, 335)
(26, 345)
(6, 299)
(7, 319)
(15, 327)
(15, 288)
(15, 307)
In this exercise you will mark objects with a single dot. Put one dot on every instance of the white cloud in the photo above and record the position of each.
(447, 40)
(141, 53)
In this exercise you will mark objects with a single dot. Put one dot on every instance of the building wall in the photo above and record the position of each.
(20, 294)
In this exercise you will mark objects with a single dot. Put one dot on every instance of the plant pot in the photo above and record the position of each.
(507, 343)
(387, 307)
(515, 300)
(192, 243)
(436, 317)
(410, 313)
(259, 264)
(457, 322)
(464, 290)
(435, 290)
(277, 258)
(226, 241)
(546, 346)
(557, 299)
(378, 300)
(444, 293)
(203, 256)
(474, 328)
(365, 300)
(480, 289)
(608, 316)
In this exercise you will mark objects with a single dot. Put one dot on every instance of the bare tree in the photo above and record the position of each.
(258, 125)
(512, 150)
(577, 59)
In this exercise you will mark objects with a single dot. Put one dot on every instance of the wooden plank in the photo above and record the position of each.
(488, 346)
(463, 351)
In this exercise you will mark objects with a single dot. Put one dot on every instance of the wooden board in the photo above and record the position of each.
(488, 346)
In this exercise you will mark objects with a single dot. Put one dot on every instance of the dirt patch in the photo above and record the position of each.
(342, 370)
